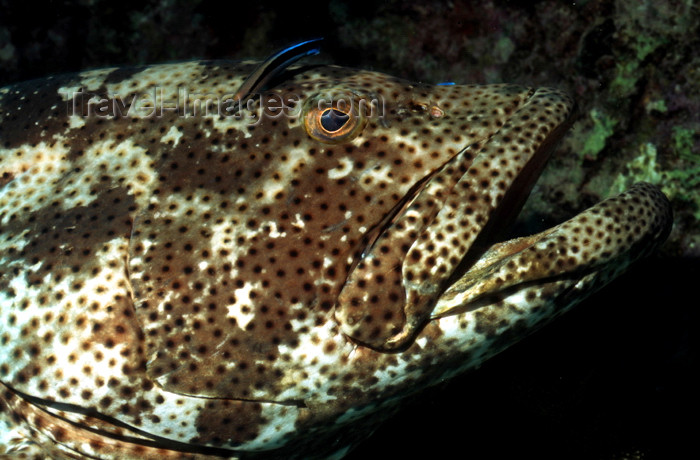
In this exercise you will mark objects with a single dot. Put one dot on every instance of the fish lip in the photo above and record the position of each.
(476, 255)
(642, 235)
(500, 224)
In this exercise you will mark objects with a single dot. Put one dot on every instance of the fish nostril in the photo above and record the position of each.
(436, 112)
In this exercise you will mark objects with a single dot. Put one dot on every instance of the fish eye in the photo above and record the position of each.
(333, 122)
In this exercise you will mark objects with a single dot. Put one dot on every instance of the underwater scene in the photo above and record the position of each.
(347, 228)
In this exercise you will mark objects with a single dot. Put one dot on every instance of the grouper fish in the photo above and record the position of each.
(214, 259)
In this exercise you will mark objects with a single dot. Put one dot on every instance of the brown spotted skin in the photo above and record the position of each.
(205, 286)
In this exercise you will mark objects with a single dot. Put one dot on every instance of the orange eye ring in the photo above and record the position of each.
(332, 123)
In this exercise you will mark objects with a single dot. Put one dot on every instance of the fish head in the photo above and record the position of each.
(448, 167)
(252, 274)
(442, 166)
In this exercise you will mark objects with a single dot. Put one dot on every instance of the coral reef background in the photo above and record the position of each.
(611, 380)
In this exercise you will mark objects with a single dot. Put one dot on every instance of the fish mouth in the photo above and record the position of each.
(442, 250)
(584, 253)
(590, 248)
(476, 276)
(450, 218)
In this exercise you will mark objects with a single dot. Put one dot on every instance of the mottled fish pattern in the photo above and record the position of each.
(178, 281)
